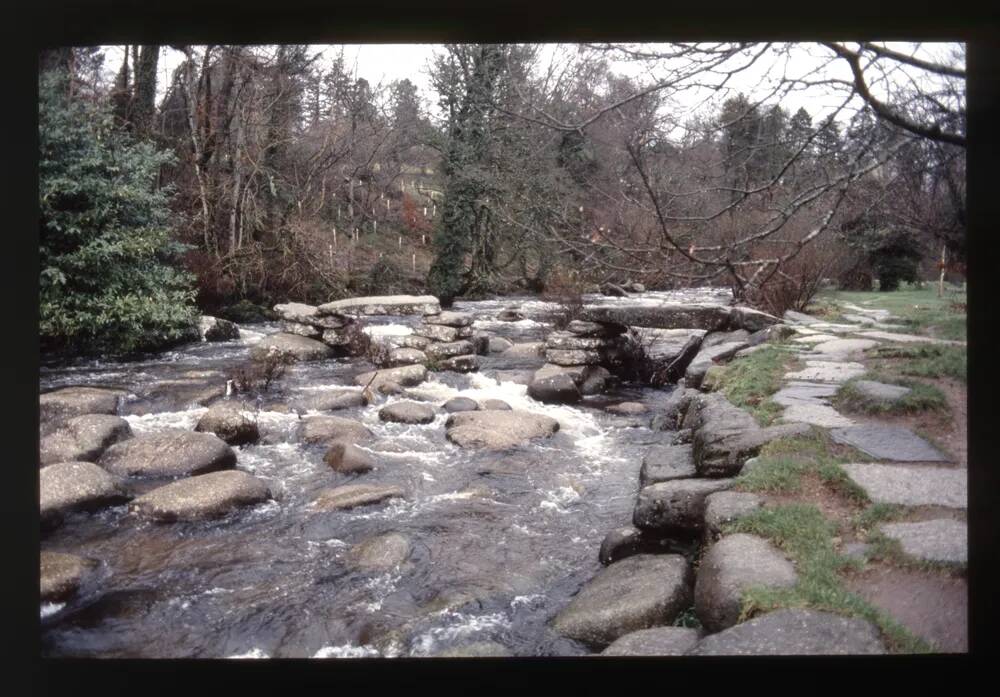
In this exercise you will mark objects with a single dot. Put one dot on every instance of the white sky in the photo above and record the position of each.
(383, 63)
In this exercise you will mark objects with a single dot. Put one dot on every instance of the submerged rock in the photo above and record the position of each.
(380, 553)
(498, 430)
(205, 496)
(171, 453)
(330, 400)
(636, 593)
(233, 422)
(353, 495)
(74, 486)
(83, 438)
(61, 575)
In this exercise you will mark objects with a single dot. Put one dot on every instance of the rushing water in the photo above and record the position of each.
(500, 542)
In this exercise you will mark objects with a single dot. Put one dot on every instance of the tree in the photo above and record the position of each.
(106, 280)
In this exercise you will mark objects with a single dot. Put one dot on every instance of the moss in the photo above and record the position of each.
(749, 382)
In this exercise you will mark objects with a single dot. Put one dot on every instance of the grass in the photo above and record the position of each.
(886, 549)
(919, 309)
(748, 382)
(924, 361)
(805, 535)
(921, 397)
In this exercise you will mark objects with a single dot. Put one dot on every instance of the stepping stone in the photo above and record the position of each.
(827, 371)
(844, 347)
(665, 462)
(74, 401)
(324, 429)
(794, 633)
(348, 458)
(61, 575)
(942, 540)
(407, 413)
(233, 422)
(202, 497)
(457, 404)
(908, 338)
(636, 593)
(83, 438)
(816, 414)
(498, 430)
(676, 506)
(803, 393)
(911, 486)
(171, 453)
(73, 486)
(658, 641)
(894, 443)
(352, 495)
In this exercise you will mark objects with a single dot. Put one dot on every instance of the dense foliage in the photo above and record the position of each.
(106, 282)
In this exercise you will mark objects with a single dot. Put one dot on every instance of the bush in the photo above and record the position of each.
(105, 246)
(255, 377)
(566, 291)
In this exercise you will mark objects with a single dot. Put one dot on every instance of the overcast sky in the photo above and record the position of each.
(383, 63)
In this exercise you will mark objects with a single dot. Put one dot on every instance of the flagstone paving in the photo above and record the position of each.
(893, 443)
(911, 485)
(941, 540)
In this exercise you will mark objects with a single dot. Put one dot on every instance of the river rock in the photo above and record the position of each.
(380, 553)
(733, 565)
(573, 357)
(943, 540)
(494, 405)
(724, 507)
(665, 345)
(613, 290)
(460, 364)
(411, 341)
(627, 409)
(172, 453)
(198, 498)
(323, 429)
(450, 319)
(676, 506)
(569, 341)
(335, 337)
(407, 413)
(528, 349)
(233, 422)
(498, 344)
(406, 376)
(457, 404)
(348, 458)
(663, 463)
(61, 575)
(83, 438)
(911, 485)
(448, 349)
(481, 344)
(498, 430)
(215, 329)
(671, 413)
(885, 442)
(717, 454)
(555, 389)
(707, 357)
(300, 313)
(658, 641)
(384, 305)
(794, 632)
(330, 400)
(68, 402)
(636, 593)
(439, 332)
(595, 329)
(353, 495)
(74, 486)
(290, 347)
(299, 329)
(628, 541)
(477, 649)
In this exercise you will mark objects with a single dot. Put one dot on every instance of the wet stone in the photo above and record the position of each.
(636, 593)
(942, 540)
(205, 496)
(380, 553)
(676, 506)
(216, 329)
(61, 575)
(794, 632)
(348, 458)
(658, 641)
(450, 319)
(323, 429)
(73, 486)
(727, 506)
(407, 413)
(456, 404)
(498, 430)
(406, 376)
(731, 566)
(663, 463)
(290, 347)
(554, 389)
(895, 443)
(83, 438)
(911, 486)
(354, 495)
(170, 453)
(233, 422)
(627, 409)
(494, 405)
(329, 400)
(74, 401)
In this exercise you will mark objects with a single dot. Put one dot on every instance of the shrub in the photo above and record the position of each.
(105, 246)
(255, 377)
(566, 291)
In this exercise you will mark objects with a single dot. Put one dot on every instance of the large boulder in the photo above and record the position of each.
(794, 632)
(498, 430)
(457, 404)
(348, 458)
(324, 429)
(172, 453)
(380, 553)
(707, 357)
(290, 347)
(733, 565)
(233, 422)
(724, 507)
(83, 438)
(636, 593)
(66, 487)
(555, 389)
(676, 506)
(658, 641)
(383, 305)
(407, 413)
(60, 575)
(215, 329)
(406, 376)
(666, 345)
(205, 496)
(353, 495)
(68, 402)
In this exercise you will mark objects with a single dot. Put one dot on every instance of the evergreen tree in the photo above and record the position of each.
(105, 280)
